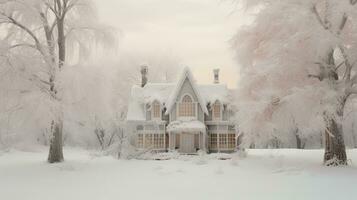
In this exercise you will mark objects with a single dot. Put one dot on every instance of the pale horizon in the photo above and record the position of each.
(197, 32)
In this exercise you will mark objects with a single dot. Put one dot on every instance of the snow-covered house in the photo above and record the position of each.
(182, 116)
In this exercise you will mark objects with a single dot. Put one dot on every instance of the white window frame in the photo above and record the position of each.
(220, 110)
(195, 108)
(152, 111)
(160, 144)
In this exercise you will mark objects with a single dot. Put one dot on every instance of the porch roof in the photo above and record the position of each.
(186, 126)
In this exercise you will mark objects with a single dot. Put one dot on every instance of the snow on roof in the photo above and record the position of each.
(157, 91)
(193, 125)
(186, 74)
(136, 105)
(166, 94)
(214, 92)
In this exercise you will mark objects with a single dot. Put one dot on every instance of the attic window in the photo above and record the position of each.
(156, 109)
(216, 110)
(186, 107)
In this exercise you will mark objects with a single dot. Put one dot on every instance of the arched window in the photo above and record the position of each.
(216, 110)
(186, 107)
(186, 99)
(156, 109)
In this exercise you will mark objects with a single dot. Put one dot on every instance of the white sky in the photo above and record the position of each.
(197, 31)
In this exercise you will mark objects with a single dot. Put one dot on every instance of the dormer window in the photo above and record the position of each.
(217, 110)
(187, 107)
(156, 110)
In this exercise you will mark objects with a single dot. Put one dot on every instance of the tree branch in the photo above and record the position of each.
(349, 66)
(324, 24)
(22, 45)
(13, 21)
(315, 76)
(343, 23)
(351, 90)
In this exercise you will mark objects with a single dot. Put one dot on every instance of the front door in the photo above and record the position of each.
(187, 143)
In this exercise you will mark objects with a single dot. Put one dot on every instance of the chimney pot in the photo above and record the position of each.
(216, 76)
(144, 72)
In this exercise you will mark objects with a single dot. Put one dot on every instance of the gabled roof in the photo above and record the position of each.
(166, 94)
(187, 74)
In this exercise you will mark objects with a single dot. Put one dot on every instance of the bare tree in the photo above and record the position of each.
(42, 25)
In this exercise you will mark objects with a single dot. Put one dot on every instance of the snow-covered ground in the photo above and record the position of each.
(264, 174)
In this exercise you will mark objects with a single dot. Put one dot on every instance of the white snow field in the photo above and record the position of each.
(264, 174)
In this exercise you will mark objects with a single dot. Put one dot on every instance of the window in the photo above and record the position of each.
(155, 141)
(216, 110)
(140, 142)
(187, 107)
(213, 141)
(231, 141)
(148, 140)
(159, 140)
(156, 110)
(222, 141)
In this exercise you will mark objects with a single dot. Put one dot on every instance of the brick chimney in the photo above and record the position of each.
(144, 73)
(216, 76)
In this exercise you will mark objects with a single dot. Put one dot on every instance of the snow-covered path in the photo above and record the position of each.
(264, 174)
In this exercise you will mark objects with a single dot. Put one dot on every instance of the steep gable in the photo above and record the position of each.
(186, 78)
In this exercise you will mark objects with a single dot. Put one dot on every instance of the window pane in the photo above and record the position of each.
(187, 99)
(156, 110)
(187, 107)
(213, 141)
(140, 141)
(222, 140)
(231, 141)
(148, 141)
(216, 110)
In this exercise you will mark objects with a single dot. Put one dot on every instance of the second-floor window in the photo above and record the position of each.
(186, 107)
(156, 110)
(216, 110)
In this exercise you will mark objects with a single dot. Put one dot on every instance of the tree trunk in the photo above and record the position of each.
(56, 148)
(335, 150)
(298, 142)
(61, 42)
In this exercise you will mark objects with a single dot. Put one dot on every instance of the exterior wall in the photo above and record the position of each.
(173, 113)
(200, 114)
(187, 89)
(225, 116)
(148, 113)
(221, 128)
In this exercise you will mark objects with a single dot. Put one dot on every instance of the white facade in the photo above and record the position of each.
(182, 116)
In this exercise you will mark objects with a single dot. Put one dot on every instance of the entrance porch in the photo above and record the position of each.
(187, 137)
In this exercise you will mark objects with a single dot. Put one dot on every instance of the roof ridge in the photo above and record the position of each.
(186, 74)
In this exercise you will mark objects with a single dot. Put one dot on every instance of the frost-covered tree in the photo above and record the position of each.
(298, 59)
(38, 35)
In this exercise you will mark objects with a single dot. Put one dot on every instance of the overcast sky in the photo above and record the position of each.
(196, 31)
